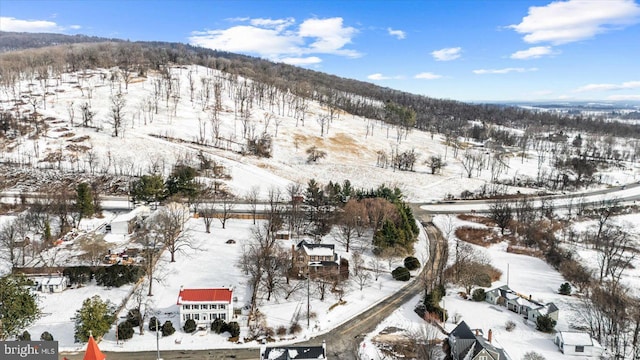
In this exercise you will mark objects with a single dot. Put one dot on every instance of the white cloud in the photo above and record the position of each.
(75, 27)
(331, 36)
(427, 76)
(279, 40)
(17, 25)
(397, 33)
(609, 87)
(562, 22)
(532, 53)
(624, 97)
(447, 54)
(378, 76)
(503, 71)
(278, 24)
(301, 61)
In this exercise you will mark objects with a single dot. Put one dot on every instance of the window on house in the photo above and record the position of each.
(222, 316)
(187, 316)
(213, 306)
(223, 306)
(203, 307)
(204, 316)
(579, 348)
(186, 307)
(196, 317)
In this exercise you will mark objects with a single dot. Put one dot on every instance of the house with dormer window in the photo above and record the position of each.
(205, 305)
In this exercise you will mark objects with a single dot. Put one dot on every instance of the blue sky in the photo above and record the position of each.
(468, 50)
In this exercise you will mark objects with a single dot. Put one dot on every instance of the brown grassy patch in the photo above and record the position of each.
(478, 219)
(524, 251)
(79, 139)
(77, 148)
(482, 237)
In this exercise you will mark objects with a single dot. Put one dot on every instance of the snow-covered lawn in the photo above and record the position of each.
(524, 274)
(214, 264)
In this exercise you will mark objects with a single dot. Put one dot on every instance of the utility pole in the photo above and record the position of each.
(308, 294)
(157, 340)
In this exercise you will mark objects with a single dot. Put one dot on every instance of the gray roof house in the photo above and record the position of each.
(294, 352)
(521, 304)
(467, 344)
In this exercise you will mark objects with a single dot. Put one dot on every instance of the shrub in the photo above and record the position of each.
(189, 326)
(295, 328)
(46, 336)
(217, 325)
(411, 263)
(167, 328)
(152, 323)
(532, 355)
(401, 273)
(281, 330)
(25, 336)
(545, 323)
(134, 316)
(510, 325)
(565, 289)
(117, 275)
(479, 295)
(125, 330)
(232, 328)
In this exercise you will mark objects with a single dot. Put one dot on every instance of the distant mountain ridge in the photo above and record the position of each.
(12, 41)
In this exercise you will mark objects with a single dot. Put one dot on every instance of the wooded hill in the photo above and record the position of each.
(29, 52)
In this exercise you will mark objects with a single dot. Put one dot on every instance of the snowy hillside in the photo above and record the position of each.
(171, 117)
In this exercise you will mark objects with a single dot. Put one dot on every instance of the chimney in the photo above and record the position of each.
(490, 335)
(477, 332)
(530, 297)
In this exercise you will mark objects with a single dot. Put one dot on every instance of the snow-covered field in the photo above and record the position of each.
(214, 264)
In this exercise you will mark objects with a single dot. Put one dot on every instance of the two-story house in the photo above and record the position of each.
(315, 259)
(205, 305)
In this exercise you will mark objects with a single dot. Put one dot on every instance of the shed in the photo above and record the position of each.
(577, 343)
(125, 223)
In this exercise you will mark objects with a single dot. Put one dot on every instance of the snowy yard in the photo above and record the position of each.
(213, 264)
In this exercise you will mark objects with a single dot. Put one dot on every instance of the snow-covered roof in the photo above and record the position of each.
(131, 214)
(294, 352)
(49, 280)
(575, 338)
(318, 251)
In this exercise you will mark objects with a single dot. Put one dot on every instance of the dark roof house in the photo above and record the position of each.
(467, 344)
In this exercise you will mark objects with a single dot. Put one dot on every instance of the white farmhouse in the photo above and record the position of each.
(50, 284)
(205, 305)
(125, 223)
(577, 343)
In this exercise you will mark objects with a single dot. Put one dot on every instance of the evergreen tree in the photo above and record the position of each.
(46, 336)
(167, 328)
(545, 323)
(149, 188)
(84, 200)
(565, 289)
(153, 323)
(25, 336)
(95, 316)
(19, 306)
(189, 326)
(125, 330)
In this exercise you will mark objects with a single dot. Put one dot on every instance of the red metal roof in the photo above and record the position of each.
(93, 352)
(220, 294)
